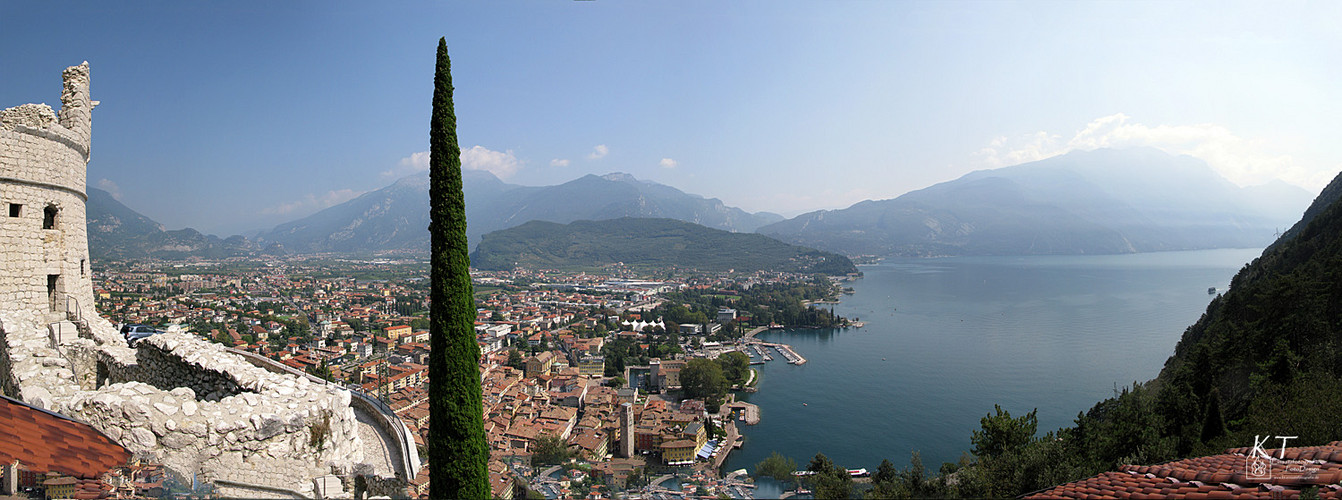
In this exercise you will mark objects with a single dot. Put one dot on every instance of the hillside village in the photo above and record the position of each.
(543, 336)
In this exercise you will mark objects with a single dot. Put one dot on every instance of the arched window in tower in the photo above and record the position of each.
(49, 217)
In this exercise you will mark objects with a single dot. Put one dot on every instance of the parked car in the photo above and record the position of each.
(134, 333)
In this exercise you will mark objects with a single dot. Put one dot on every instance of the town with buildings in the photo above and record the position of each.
(562, 418)
(306, 376)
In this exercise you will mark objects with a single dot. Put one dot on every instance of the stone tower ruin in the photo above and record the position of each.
(248, 425)
(45, 156)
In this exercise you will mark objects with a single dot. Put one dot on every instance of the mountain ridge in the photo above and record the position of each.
(116, 231)
(647, 242)
(1084, 202)
(396, 216)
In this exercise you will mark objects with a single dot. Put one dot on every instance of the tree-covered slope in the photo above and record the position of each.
(1278, 327)
(648, 243)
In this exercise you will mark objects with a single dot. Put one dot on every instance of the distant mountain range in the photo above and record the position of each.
(396, 217)
(116, 232)
(1096, 202)
(647, 243)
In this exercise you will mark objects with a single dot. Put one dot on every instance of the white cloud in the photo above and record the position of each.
(110, 187)
(598, 152)
(500, 163)
(668, 163)
(503, 164)
(312, 203)
(558, 162)
(1242, 160)
(417, 162)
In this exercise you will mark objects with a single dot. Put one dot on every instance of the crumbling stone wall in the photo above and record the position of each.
(254, 428)
(167, 371)
(7, 385)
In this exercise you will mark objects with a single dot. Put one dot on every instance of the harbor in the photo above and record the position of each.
(762, 348)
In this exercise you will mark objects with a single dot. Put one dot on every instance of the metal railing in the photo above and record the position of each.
(75, 315)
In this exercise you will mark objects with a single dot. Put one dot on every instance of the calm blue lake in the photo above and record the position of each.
(947, 338)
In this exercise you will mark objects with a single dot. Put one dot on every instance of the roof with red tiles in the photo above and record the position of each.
(1239, 473)
(47, 441)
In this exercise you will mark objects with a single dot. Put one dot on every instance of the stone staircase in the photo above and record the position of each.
(67, 324)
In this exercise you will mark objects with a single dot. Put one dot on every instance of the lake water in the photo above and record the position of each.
(947, 338)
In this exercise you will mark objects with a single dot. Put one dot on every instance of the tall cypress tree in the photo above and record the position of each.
(458, 454)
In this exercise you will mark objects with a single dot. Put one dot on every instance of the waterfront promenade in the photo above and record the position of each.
(732, 442)
(750, 335)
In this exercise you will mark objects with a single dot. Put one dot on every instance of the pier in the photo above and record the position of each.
(763, 354)
(786, 350)
(749, 412)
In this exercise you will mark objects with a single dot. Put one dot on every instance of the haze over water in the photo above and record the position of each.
(946, 339)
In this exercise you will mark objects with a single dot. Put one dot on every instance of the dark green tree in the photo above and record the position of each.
(419, 323)
(829, 481)
(886, 472)
(1213, 426)
(735, 366)
(458, 453)
(515, 359)
(550, 450)
(702, 379)
(1002, 434)
(776, 466)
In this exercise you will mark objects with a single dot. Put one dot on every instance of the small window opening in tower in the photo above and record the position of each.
(52, 281)
(49, 217)
(15, 209)
(81, 267)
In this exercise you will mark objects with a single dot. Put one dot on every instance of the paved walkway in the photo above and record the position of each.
(658, 482)
(729, 444)
(379, 449)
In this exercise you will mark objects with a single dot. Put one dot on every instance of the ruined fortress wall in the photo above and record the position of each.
(207, 410)
(176, 399)
(8, 384)
(43, 164)
(168, 371)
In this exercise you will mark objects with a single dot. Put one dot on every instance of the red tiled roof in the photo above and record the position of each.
(1217, 476)
(46, 441)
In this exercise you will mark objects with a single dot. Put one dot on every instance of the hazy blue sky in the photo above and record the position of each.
(234, 116)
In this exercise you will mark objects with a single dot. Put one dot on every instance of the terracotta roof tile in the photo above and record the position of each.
(1216, 477)
(46, 441)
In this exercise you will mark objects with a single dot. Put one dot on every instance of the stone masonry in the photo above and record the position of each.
(174, 399)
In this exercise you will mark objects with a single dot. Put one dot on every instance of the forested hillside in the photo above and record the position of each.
(648, 243)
